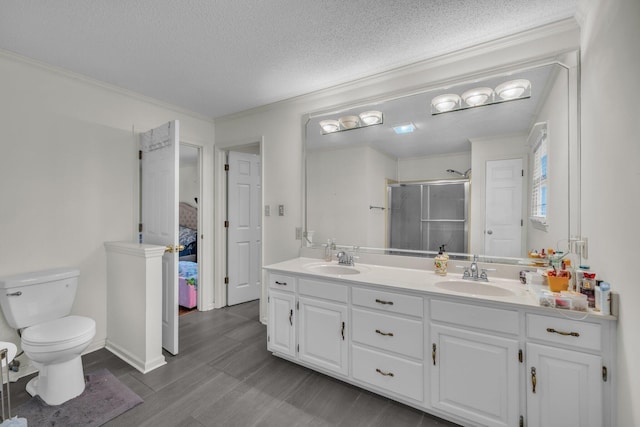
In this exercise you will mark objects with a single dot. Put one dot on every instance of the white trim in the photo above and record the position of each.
(140, 365)
(135, 249)
(220, 213)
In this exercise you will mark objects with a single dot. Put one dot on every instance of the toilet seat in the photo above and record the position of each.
(59, 334)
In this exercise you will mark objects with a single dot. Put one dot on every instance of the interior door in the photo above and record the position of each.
(245, 227)
(503, 210)
(160, 175)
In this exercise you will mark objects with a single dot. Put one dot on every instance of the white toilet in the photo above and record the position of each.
(39, 304)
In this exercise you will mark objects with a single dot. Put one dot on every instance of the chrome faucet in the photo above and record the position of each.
(471, 272)
(345, 258)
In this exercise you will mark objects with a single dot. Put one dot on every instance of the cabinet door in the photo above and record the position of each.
(568, 387)
(475, 375)
(282, 329)
(323, 334)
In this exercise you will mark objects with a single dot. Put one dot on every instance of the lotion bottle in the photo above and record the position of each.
(440, 262)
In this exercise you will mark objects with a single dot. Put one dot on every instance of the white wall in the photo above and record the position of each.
(344, 184)
(189, 184)
(68, 174)
(433, 167)
(611, 174)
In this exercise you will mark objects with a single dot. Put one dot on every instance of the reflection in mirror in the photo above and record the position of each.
(489, 179)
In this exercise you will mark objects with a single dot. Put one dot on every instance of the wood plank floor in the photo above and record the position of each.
(224, 376)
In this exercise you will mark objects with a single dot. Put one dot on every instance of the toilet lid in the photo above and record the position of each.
(60, 330)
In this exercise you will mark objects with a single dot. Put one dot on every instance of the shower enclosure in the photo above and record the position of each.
(427, 215)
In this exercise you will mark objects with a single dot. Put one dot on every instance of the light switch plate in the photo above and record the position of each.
(267, 210)
(281, 210)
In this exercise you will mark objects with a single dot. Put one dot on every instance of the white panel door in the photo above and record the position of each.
(160, 175)
(503, 210)
(564, 388)
(244, 214)
(475, 376)
(323, 340)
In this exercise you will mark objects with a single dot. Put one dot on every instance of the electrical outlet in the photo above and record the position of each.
(281, 210)
(267, 210)
(298, 233)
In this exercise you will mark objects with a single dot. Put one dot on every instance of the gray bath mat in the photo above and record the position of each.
(103, 399)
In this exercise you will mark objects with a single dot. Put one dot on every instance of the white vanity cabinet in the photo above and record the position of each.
(281, 328)
(565, 372)
(322, 338)
(474, 362)
(387, 342)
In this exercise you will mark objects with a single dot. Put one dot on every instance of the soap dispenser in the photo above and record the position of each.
(440, 262)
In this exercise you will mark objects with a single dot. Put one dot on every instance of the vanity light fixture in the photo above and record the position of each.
(404, 128)
(349, 122)
(477, 96)
(329, 126)
(507, 91)
(512, 89)
(371, 117)
(446, 102)
(365, 119)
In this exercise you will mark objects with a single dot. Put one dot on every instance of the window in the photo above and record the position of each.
(539, 175)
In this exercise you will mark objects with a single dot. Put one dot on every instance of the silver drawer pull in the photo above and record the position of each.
(386, 374)
(379, 301)
(571, 334)
(281, 283)
(386, 334)
(15, 294)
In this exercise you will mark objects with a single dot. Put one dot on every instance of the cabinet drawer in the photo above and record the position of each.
(476, 316)
(576, 333)
(322, 289)
(388, 332)
(388, 301)
(282, 282)
(388, 373)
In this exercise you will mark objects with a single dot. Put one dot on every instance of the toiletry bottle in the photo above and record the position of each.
(603, 298)
(579, 276)
(566, 265)
(440, 262)
(327, 250)
(588, 288)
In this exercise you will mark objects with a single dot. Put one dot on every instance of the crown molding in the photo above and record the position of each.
(564, 33)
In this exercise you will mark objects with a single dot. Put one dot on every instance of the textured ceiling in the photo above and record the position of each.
(217, 57)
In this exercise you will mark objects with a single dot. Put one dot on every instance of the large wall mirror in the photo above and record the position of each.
(481, 166)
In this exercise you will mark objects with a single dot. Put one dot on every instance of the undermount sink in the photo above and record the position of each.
(336, 269)
(475, 288)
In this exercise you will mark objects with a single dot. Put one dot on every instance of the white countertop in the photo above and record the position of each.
(423, 281)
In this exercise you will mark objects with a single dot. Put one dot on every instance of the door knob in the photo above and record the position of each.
(489, 231)
(171, 249)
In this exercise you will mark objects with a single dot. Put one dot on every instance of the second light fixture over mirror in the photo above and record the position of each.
(478, 96)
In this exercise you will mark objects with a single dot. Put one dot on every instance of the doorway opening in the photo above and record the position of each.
(190, 228)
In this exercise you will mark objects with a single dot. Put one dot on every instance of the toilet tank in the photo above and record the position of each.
(31, 298)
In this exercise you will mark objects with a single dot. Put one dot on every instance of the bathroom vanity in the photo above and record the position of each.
(475, 353)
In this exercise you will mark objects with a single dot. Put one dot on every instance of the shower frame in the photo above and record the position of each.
(424, 221)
